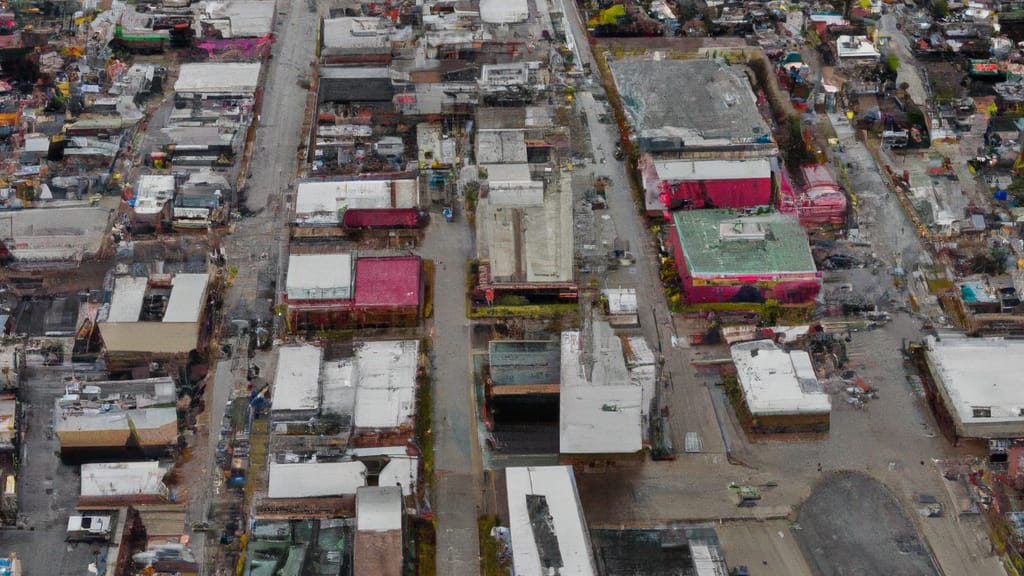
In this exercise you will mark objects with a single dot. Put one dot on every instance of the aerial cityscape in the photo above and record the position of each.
(511, 287)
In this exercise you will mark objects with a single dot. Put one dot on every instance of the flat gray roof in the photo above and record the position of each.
(698, 100)
(378, 508)
(53, 234)
(218, 78)
(600, 408)
(297, 383)
(188, 297)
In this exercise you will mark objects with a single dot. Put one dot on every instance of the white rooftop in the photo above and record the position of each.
(566, 527)
(856, 47)
(693, 170)
(297, 383)
(113, 479)
(621, 300)
(218, 78)
(600, 408)
(385, 383)
(188, 296)
(126, 301)
(315, 479)
(980, 376)
(351, 33)
(152, 192)
(378, 508)
(777, 382)
(504, 11)
(319, 277)
(327, 200)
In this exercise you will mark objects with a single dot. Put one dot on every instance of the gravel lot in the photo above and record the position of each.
(852, 524)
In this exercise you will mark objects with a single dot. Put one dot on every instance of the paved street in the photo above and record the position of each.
(457, 465)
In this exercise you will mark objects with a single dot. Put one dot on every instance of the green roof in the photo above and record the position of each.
(723, 242)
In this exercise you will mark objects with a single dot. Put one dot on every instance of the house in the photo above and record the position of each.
(120, 419)
(600, 408)
(780, 388)
(159, 318)
(546, 522)
(677, 183)
(722, 256)
(956, 364)
(379, 539)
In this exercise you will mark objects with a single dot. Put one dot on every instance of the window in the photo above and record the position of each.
(982, 411)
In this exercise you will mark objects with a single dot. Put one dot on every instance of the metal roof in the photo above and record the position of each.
(315, 479)
(961, 365)
(388, 282)
(126, 300)
(695, 170)
(378, 508)
(188, 298)
(218, 78)
(319, 277)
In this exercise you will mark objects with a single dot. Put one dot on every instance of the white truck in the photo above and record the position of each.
(82, 528)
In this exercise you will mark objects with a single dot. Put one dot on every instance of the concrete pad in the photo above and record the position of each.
(764, 547)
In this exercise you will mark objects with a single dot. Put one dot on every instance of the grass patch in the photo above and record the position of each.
(428, 298)
(490, 561)
(425, 417)
(527, 311)
(425, 534)
(735, 394)
(939, 285)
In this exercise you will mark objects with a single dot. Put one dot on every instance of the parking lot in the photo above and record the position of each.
(47, 489)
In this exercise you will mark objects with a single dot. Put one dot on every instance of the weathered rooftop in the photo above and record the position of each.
(218, 78)
(776, 382)
(697, 100)
(548, 530)
(297, 383)
(386, 383)
(722, 243)
(319, 277)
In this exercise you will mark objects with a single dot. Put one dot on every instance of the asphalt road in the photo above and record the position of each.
(457, 459)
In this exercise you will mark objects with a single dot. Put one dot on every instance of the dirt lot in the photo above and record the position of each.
(852, 524)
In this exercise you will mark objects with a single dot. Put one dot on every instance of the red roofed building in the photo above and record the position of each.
(821, 201)
(686, 183)
(382, 218)
(389, 291)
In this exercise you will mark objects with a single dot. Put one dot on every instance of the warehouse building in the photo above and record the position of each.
(117, 419)
(156, 318)
(548, 530)
(690, 183)
(379, 539)
(325, 291)
(123, 484)
(780, 389)
(725, 257)
(977, 381)
(601, 408)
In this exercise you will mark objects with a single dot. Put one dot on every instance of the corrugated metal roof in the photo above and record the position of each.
(381, 218)
(126, 301)
(387, 282)
(188, 296)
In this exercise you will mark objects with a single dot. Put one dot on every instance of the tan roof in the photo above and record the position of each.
(152, 337)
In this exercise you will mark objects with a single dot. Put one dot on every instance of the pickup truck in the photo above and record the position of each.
(88, 528)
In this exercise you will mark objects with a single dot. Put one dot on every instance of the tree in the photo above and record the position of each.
(940, 8)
